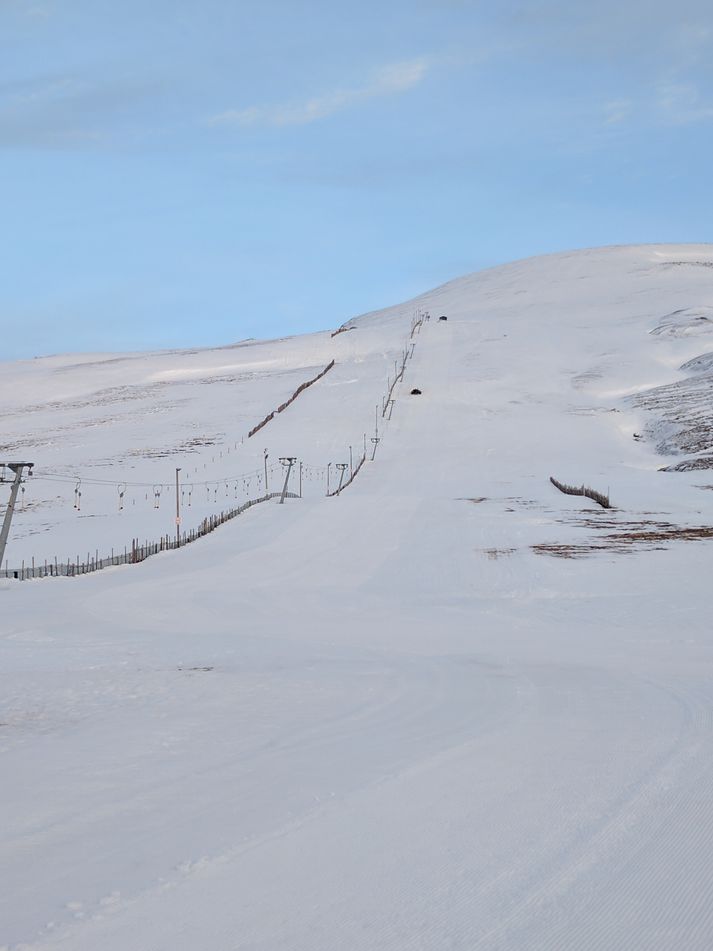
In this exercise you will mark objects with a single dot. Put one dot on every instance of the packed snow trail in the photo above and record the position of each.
(383, 721)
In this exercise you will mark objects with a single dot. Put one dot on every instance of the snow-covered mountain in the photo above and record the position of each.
(451, 707)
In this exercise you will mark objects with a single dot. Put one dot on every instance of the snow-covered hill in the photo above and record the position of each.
(561, 361)
(450, 708)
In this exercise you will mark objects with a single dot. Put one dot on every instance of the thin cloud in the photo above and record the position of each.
(681, 104)
(65, 111)
(618, 111)
(27, 8)
(387, 81)
(671, 103)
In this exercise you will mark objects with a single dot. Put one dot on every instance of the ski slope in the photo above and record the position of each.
(450, 708)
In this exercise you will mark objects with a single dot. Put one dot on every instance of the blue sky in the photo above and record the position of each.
(184, 173)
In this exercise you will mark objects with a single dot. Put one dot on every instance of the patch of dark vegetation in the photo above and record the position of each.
(588, 376)
(699, 364)
(565, 551)
(107, 397)
(690, 465)
(341, 330)
(524, 503)
(627, 537)
(494, 553)
(687, 264)
(685, 322)
(684, 421)
(190, 445)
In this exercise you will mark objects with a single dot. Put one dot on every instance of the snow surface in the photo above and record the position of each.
(451, 708)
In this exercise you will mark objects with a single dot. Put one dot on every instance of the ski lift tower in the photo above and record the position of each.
(16, 479)
(288, 462)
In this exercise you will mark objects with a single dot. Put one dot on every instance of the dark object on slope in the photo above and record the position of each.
(592, 494)
(415, 392)
(443, 317)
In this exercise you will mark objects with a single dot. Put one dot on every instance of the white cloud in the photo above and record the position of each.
(389, 80)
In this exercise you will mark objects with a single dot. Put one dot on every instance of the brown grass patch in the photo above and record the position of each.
(628, 536)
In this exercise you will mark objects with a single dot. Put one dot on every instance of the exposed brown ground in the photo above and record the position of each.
(625, 536)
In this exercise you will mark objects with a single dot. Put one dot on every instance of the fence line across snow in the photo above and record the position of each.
(283, 406)
(136, 552)
(599, 497)
(351, 478)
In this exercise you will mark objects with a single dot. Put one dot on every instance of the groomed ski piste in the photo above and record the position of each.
(448, 708)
